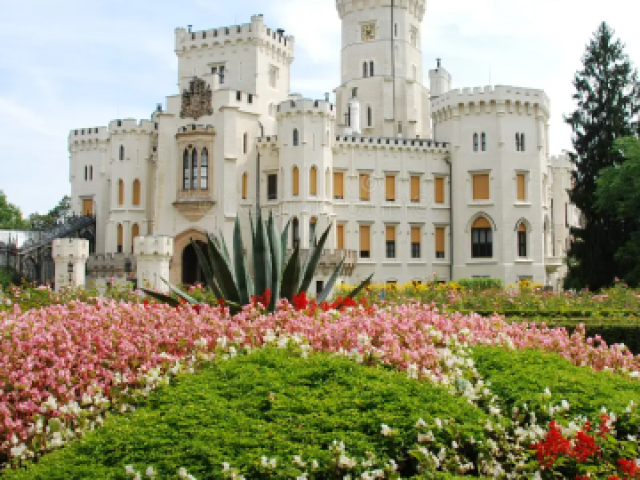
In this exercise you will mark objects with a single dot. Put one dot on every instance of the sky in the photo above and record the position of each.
(69, 64)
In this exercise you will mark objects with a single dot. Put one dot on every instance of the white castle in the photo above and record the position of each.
(418, 180)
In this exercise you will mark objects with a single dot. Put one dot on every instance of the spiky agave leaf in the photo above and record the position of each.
(284, 237)
(360, 287)
(261, 258)
(224, 279)
(240, 264)
(161, 297)
(326, 291)
(181, 294)
(312, 263)
(291, 276)
(276, 261)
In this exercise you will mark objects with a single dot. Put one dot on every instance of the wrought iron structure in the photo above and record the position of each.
(32, 259)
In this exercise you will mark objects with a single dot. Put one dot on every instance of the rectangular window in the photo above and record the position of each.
(521, 186)
(222, 72)
(365, 241)
(87, 206)
(481, 186)
(365, 187)
(439, 190)
(415, 188)
(340, 237)
(272, 186)
(391, 241)
(481, 243)
(440, 242)
(415, 242)
(338, 185)
(390, 188)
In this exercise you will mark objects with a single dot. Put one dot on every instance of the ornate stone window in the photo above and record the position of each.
(204, 170)
(194, 195)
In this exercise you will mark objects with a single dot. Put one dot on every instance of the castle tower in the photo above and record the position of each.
(153, 255)
(306, 161)
(70, 256)
(382, 61)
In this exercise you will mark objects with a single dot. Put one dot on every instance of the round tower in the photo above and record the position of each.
(382, 59)
(305, 132)
(497, 137)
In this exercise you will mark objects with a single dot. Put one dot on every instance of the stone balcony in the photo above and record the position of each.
(553, 264)
(330, 259)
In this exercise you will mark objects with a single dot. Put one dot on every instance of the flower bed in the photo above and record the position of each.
(63, 367)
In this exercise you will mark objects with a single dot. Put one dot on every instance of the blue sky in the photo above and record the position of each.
(70, 63)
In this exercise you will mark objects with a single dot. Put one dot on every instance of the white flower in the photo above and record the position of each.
(547, 392)
(18, 451)
(386, 431)
(151, 473)
(494, 411)
(438, 423)
(314, 464)
(454, 444)
(420, 423)
(225, 466)
(426, 438)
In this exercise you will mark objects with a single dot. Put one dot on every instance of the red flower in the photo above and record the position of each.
(554, 444)
(197, 309)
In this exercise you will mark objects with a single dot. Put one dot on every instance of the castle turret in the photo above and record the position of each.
(439, 81)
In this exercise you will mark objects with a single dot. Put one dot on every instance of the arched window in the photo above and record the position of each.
(295, 180)
(120, 239)
(121, 152)
(327, 183)
(120, 192)
(245, 142)
(313, 181)
(371, 70)
(204, 170)
(522, 240)
(194, 169)
(369, 116)
(475, 142)
(245, 185)
(296, 137)
(481, 239)
(517, 142)
(522, 142)
(313, 241)
(135, 232)
(295, 232)
(136, 192)
(365, 70)
(484, 142)
(186, 170)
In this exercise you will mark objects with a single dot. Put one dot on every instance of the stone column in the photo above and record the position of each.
(70, 257)
(153, 255)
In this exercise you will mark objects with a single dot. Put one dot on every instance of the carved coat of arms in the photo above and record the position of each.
(196, 101)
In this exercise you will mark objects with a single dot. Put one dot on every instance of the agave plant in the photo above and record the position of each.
(228, 274)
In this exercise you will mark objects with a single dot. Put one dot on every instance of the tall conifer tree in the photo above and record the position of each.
(607, 104)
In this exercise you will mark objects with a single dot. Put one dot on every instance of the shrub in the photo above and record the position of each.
(480, 283)
(269, 404)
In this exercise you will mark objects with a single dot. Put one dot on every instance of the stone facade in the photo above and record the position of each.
(417, 180)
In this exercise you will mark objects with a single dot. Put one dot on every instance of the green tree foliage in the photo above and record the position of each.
(54, 216)
(618, 194)
(10, 214)
(607, 104)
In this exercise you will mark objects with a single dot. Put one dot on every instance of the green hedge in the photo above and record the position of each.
(519, 377)
(481, 283)
(268, 403)
(584, 314)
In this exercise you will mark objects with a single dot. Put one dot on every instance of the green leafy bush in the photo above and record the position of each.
(521, 377)
(480, 283)
(6, 278)
(270, 403)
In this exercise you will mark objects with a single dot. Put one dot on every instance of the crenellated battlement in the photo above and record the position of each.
(561, 161)
(305, 106)
(268, 141)
(100, 134)
(256, 31)
(388, 143)
(70, 249)
(161, 246)
(474, 97)
(416, 7)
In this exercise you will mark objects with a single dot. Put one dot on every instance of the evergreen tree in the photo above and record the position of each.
(607, 104)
